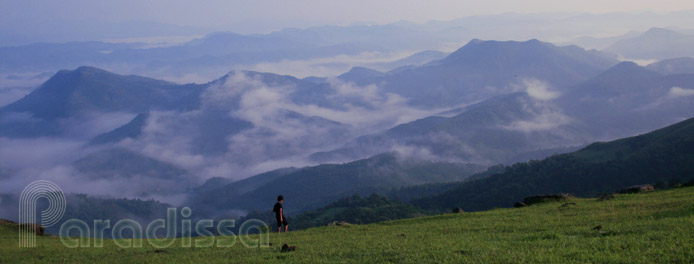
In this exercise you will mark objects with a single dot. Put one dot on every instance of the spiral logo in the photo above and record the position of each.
(27, 209)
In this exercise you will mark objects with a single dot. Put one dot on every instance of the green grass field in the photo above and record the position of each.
(656, 227)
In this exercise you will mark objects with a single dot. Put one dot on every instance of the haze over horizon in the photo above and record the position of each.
(78, 20)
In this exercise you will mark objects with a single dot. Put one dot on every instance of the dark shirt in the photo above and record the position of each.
(276, 209)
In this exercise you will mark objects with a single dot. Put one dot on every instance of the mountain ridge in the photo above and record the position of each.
(663, 155)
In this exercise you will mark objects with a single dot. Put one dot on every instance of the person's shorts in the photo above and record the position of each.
(279, 223)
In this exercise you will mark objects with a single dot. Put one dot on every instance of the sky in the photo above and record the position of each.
(260, 16)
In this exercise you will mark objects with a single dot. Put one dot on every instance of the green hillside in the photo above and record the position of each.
(634, 228)
(664, 157)
(313, 187)
(357, 210)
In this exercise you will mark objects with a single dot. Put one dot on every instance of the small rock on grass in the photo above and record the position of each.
(530, 200)
(605, 197)
(637, 189)
(287, 248)
(338, 223)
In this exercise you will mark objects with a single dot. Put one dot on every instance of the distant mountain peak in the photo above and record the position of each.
(86, 68)
(628, 67)
(216, 36)
(480, 50)
(474, 42)
(656, 43)
(482, 69)
(359, 69)
(358, 73)
(78, 72)
(132, 129)
(269, 78)
(659, 32)
(89, 89)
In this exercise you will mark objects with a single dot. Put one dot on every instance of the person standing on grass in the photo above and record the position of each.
(279, 215)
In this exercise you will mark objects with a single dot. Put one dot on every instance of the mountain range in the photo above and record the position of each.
(624, 100)
(654, 44)
(481, 69)
(202, 54)
(238, 141)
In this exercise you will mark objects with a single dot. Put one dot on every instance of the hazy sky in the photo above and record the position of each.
(264, 15)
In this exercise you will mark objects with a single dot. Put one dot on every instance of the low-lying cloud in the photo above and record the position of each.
(283, 132)
(539, 89)
(542, 116)
(676, 92)
(15, 86)
(543, 121)
(327, 66)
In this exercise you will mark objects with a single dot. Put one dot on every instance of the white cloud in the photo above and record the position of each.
(640, 62)
(326, 66)
(23, 161)
(283, 134)
(676, 92)
(12, 94)
(545, 121)
(673, 93)
(539, 89)
(544, 116)
(37, 153)
(15, 86)
(27, 79)
(93, 124)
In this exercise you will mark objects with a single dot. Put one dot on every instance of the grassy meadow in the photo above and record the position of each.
(655, 227)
